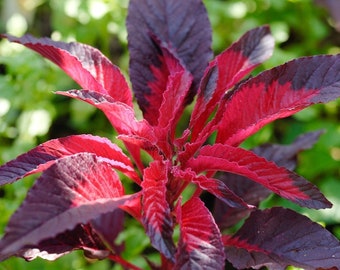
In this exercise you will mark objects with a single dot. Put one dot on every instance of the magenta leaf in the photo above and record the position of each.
(278, 93)
(74, 190)
(183, 27)
(227, 69)
(157, 218)
(200, 245)
(279, 237)
(44, 155)
(252, 192)
(83, 63)
(285, 183)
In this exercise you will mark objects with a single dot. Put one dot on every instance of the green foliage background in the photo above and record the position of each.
(30, 113)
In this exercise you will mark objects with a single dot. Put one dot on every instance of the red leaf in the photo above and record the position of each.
(278, 93)
(227, 69)
(44, 155)
(279, 237)
(157, 218)
(173, 104)
(183, 27)
(200, 245)
(213, 186)
(278, 179)
(121, 116)
(75, 190)
(83, 63)
(252, 192)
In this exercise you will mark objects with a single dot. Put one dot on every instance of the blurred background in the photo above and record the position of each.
(30, 113)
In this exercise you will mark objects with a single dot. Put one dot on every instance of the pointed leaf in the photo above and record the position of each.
(200, 245)
(83, 63)
(278, 179)
(278, 93)
(157, 218)
(252, 192)
(227, 69)
(184, 28)
(44, 155)
(75, 190)
(279, 237)
(171, 108)
(121, 116)
(286, 155)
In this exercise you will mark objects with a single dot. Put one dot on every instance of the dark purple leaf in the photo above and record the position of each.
(280, 237)
(183, 27)
(157, 218)
(44, 155)
(285, 155)
(81, 237)
(200, 245)
(73, 191)
(278, 93)
(252, 192)
(227, 69)
(83, 63)
(236, 160)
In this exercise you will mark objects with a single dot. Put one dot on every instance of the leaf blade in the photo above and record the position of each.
(280, 180)
(78, 188)
(280, 237)
(278, 93)
(44, 155)
(185, 29)
(200, 245)
(83, 63)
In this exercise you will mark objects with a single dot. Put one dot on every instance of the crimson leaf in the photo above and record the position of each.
(44, 155)
(157, 218)
(278, 93)
(121, 116)
(252, 192)
(83, 63)
(278, 179)
(227, 69)
(78, 189)
(183, 27)
(200, 245)
(279, 237)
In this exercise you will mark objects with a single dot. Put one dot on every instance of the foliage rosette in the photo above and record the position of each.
(79, 201)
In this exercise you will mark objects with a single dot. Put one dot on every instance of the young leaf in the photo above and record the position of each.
(183, 26)
(200, 245)
(43, 156)
(278, 179)
(278, 93)
(227, 69)
(157, 218)
(213, 186)
(83, 63)
(173, 104)
(78, 189)
(279, 237)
